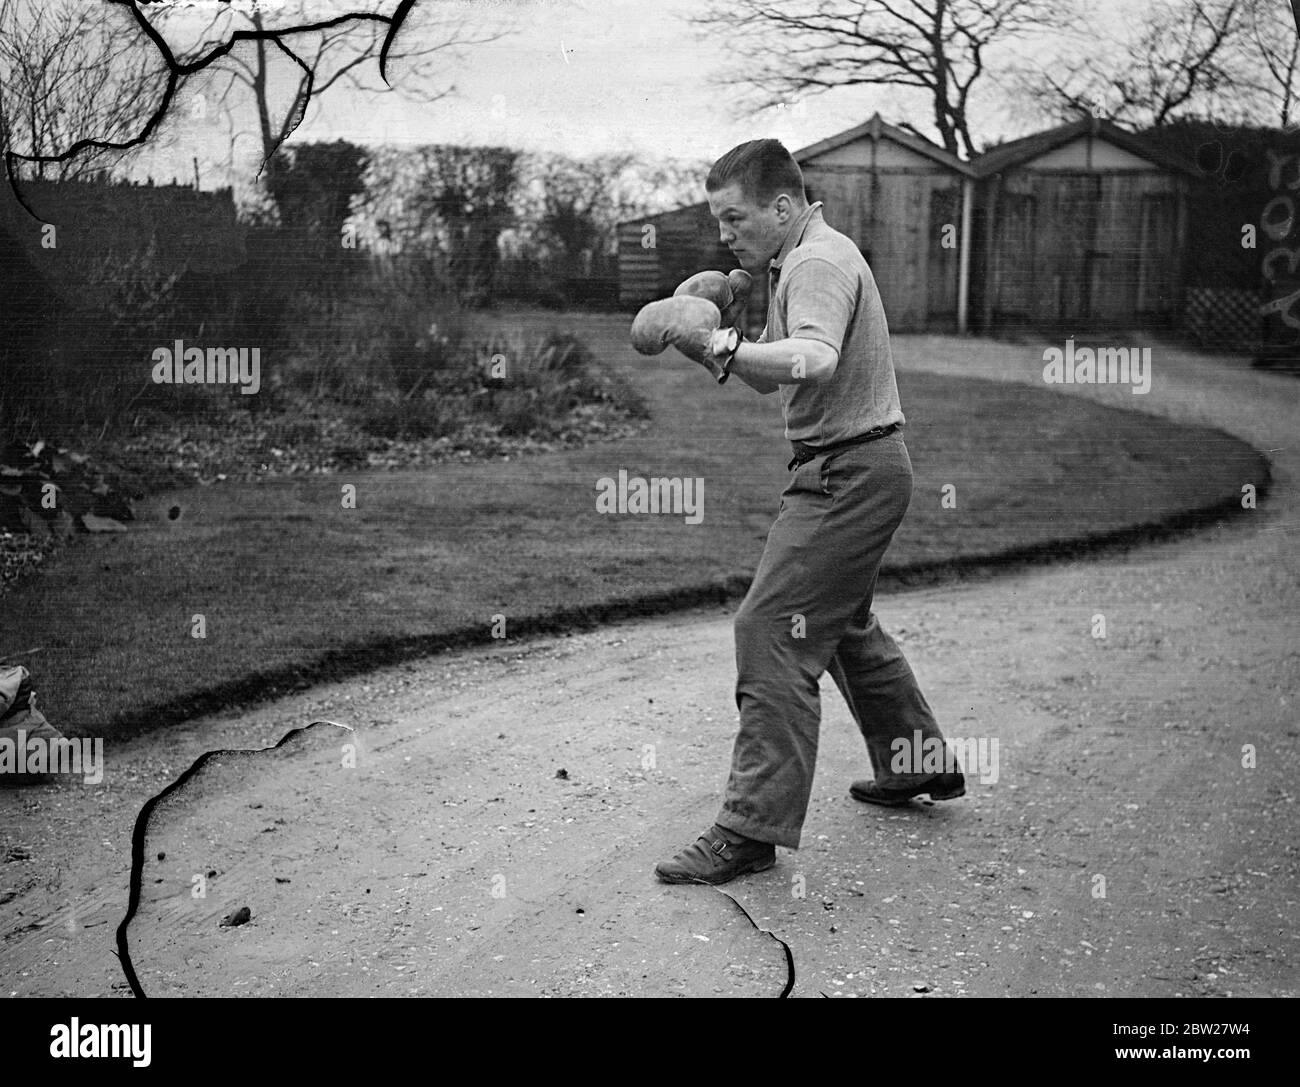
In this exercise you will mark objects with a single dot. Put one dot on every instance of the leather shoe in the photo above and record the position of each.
(715, 858)
(939, 786)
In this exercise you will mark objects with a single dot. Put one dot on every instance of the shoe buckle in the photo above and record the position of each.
(719, 846)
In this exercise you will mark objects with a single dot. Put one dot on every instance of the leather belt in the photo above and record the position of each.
(804, 453)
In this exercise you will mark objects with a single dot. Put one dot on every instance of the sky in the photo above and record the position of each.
(580, 77)
(595, 75)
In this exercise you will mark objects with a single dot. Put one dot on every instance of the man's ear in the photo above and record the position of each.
(784, 209)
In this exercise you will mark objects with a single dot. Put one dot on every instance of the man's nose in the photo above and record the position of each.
(726, 236)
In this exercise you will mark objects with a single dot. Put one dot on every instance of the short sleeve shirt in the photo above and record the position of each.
(822, 289)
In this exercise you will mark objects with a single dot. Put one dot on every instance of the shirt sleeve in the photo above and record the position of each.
(819, 302)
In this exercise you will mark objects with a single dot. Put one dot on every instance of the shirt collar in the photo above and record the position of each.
(795, 234)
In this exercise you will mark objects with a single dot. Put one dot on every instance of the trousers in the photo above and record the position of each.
(808, 611)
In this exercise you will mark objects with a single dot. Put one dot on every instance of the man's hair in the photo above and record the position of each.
(763, 169)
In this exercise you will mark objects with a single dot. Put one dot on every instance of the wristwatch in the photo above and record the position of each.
(725, 343)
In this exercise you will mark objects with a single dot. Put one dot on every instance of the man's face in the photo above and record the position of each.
(753, 231)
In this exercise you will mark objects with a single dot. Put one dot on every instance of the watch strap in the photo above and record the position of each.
(724, 370)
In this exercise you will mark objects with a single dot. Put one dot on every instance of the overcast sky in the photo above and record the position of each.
(586, 76)
(596, 75)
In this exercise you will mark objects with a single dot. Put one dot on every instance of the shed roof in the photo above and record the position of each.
(1017, 152)
(671, 213)
(878, 129)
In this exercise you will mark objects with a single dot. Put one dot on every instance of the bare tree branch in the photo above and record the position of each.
(1184, 58)
(134, 86)
(790, 50)
(69, 70)
(331, 42)
(1275, 38)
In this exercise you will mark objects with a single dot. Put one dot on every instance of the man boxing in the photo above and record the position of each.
(826, 350)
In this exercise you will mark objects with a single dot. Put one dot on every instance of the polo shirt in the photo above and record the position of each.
(820, 288)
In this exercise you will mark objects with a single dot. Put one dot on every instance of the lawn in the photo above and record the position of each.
(293, 588)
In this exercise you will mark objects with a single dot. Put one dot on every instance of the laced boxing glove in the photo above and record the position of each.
(690, 324)
(728, 292)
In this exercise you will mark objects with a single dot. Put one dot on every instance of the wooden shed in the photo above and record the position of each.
(893, 193)
(657, 252)
(889, 190)
(1081, 223)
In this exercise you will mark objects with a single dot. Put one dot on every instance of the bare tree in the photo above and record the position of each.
(1184, 58)
(797, 47)
(71, 72)
(568, 210)
(571, 205)
(438, 211)
(289, 56)
(575, 206)
(1275, 38)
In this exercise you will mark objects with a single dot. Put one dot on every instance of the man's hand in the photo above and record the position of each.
(686, 322)
(729, 292)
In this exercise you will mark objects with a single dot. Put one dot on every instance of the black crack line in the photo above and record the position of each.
(142, 825)
(399, 17)
(176, 70)
(789, 957)
(301, 101)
